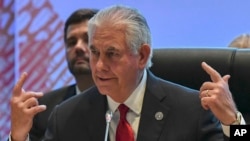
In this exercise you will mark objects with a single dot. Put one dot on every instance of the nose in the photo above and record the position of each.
(101, 64)
(81, 47)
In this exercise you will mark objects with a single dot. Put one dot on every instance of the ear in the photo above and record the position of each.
(144, 53)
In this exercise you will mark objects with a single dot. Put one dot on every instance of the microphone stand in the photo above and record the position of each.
(108, 117)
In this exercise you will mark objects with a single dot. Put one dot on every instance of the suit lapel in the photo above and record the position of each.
(154, 112)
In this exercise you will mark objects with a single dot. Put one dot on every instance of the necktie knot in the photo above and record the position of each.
(123, 109)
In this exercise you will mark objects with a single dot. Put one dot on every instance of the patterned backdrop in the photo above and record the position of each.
(31, 40)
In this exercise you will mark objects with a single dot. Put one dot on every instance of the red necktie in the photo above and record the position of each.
(124, 131)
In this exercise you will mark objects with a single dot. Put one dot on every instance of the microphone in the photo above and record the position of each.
(108, 117)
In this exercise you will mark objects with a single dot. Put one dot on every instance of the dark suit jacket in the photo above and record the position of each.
(50, 99)
(82, 118)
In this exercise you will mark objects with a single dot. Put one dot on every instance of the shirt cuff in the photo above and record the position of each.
(27, 139)
(226, 128)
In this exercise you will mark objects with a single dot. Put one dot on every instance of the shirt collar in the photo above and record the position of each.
(134, 101)
(77, 90)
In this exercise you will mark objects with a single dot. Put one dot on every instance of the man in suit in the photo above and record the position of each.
(76, 41)
(144, 107)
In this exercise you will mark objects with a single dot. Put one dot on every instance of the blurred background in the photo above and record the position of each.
(31, 36)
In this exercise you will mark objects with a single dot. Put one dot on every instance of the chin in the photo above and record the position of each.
(82, 70)
(103, 90)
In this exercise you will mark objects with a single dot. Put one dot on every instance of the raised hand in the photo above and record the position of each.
(216, 96)
(24, 106)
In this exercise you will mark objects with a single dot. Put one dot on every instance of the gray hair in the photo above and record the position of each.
(242, 41)
(137, 31)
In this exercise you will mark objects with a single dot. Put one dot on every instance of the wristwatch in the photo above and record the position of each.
(238, 119)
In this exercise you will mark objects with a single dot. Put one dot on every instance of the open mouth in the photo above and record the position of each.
(104, 79)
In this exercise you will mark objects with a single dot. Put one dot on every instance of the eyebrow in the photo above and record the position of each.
(111, 48)
(85, 34)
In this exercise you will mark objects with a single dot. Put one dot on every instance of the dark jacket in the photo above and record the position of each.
(82, 118)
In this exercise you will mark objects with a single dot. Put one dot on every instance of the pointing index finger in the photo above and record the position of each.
(17, 90)
(214, 75)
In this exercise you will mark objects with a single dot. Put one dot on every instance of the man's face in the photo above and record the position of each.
(115, 68)
(77, 48)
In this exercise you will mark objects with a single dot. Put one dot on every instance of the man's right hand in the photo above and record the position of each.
(24, 106)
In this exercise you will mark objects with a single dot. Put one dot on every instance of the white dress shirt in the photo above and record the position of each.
(134, 103)
(78, 90)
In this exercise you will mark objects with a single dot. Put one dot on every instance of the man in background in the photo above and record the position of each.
(77, 56)
(242, 41)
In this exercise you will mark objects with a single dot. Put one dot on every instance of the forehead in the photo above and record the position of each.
(78, 27)
(108, 33)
